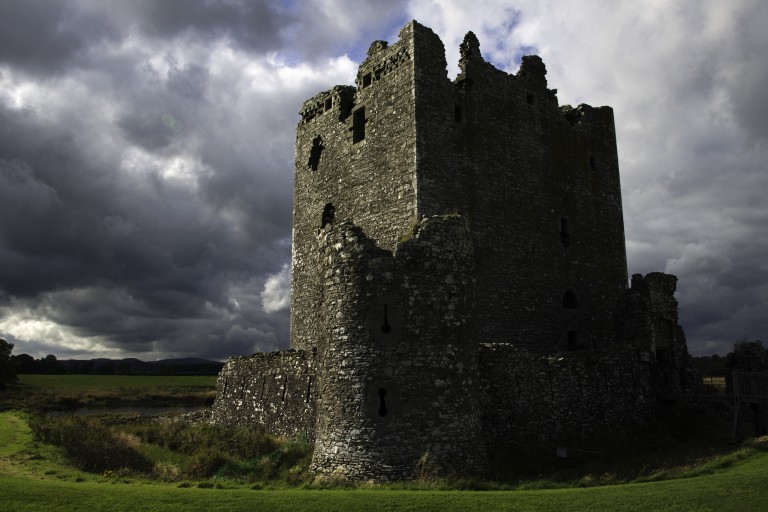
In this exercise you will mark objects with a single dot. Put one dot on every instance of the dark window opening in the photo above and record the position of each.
(358, 125)
(315, 152)
(328, 213)
(328, 104)
(366, 80)
(530, 98)
(573, 342)
(377, 75)
(459, 114)
(386, 328)
(565, 231)
(663, 355)
(569, 300)
(382, 404)
(592, 163)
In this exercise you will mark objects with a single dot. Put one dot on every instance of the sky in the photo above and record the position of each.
(146, 154)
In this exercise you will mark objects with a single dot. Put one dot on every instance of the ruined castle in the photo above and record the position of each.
(459, 276)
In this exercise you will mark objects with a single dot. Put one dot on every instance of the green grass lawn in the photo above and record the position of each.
(739, 488)
(33, 477)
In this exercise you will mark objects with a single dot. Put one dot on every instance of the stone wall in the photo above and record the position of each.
(526, 397)
(275, 391)
(398, 379)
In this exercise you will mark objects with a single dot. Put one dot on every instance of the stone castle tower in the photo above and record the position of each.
(459, 278)
(538, 186)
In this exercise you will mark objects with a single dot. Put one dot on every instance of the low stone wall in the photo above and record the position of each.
(275, 391)
(527, 397)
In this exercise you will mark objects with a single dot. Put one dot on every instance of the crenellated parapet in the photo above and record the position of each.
(336, 102)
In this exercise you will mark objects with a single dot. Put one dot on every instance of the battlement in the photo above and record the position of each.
(338, 101)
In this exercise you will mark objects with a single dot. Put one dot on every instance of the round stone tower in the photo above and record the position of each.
(397, 374)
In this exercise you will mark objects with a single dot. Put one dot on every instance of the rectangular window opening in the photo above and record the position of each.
(358, 125)
(328, 103)
(573, 342)
(366, 80)
(565, 232)
(459, 114)
(592, 162)
(530, 98)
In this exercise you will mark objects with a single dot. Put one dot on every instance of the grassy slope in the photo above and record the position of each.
(30, 484)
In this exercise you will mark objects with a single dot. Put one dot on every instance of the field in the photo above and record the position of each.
(717, 383)
(62, 392)
(35, 479)
(50, 382)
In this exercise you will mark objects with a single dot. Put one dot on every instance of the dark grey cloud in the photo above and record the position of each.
(146, 175)
(149, 130)
(253, 24)
(146, 155)
(45, 36)
(118, 251)
(141, 267)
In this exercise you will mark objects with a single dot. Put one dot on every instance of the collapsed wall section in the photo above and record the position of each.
(649, 323)
(275, 391)
(398, 374)
(526, 397)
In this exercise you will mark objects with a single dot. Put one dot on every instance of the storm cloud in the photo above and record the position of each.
(146, 155)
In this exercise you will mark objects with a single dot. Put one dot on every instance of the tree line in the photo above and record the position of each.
(13, 365)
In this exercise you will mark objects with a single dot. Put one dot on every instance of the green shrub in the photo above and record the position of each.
(289, 462)
(90, 445)
(174, 451)
(205, 462)
(232, 442)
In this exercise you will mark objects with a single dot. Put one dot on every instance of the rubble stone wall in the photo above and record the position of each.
(526, 397)
(275, 391)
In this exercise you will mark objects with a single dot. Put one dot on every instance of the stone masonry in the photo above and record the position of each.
(459, 277)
